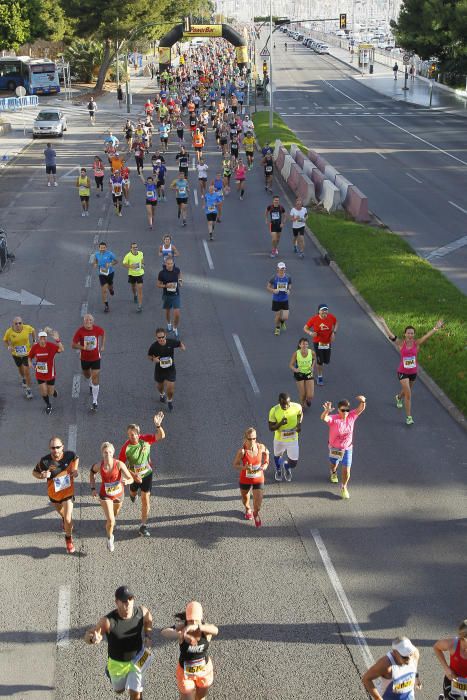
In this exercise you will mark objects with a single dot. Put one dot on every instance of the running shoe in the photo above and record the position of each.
(283, 326)
(345, 492)
(287, 473)
(169, 327)
(295, 249)
(333, 478)
(55, 394)
(248, 515)
(399, 402)
(409, 420)
(273, 255)
(278, 474)
(135, 298)
(55, 184)
(320, 381)
(90, 388)
(162, 398)
(301, 255)
(139, 308)
(133, 498)
(94, 407)
(144, 531)
(28, 394)
(176, 332)
(111, 291)
(308, 403)
(106, 309)
(48, 410)
(70, 547)
(110, 544)
(258, 522)
(23, 383)
(277, 331)
(170, 405)
(48, 184)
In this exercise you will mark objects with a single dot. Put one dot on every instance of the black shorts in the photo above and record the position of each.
(117, 198)
(223, 141)
(107, 279)
(145, 485)
(266, 174)
(410, 377)
(275, 228)
(50, 169)
(280, 305)
(68, 498)
(21, 361)
(180, 133)
(164, 139)
(84, 197)
(323, 355)
(249, 154)
(49, 382)
(298, 231)
(234, 153)
(211, 216)
(151, 202)
(299, 377)
(183, 170)
(135, 280)
(248, 487)
(90, 364)
(182, 200)
(165, 375)
(198, 149)
(234, 109)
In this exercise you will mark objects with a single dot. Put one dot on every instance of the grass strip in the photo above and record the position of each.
(394, 280)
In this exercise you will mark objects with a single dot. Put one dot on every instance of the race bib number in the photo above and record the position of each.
(171, 287)
(403, 687)
(181, 191)
(253, 472)
(409, 362)
(323, 346)
(268, 168)
(83, 190)
(136, 266)
(117, 189)
(282, 286)
(211, 208)
(61, 483)
(41, 367)
(21, 350)
(143, 660)
(288, 434)
(113, 489)
(335, 453)
(103, 270)
(150, 194)
(90, 342)
(459, 687)
(195, 668)
(140, 469)
(275, 215)
(165, 362)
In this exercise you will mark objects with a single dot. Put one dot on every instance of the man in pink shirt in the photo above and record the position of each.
(341, 425)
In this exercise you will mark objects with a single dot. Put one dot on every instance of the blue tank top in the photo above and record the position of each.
(151, 192)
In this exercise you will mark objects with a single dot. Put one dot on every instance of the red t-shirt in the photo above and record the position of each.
(45, 360)
(89, 339)
(322, 327)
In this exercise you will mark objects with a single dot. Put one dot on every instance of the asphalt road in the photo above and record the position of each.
(410, 162)
(396, 545)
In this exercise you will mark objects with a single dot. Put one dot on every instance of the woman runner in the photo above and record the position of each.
(252, 460)
(301, 363)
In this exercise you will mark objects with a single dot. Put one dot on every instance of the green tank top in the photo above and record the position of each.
(304, 364)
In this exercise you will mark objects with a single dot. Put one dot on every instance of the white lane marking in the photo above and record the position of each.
(342, 93)
(96, 239)
(246, 364)
(72, 437)
(464, 211)
(357, 137)
(381, 155)
(100, 221)
(76, 386)
(84, 308)
(208, 255)
(343, 600)
(412, 177)
(91, 258)
(87, 283)
(338, 123)
(194, 164)
(419, 138)
(446, 249)
(195, 195)
(63, 616)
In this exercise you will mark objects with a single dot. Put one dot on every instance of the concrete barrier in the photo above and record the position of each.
(308, 167)
(321, 163)
(317, 178)
(281, 154)
(306, 190)
(300, 159)
(330, 173)
(277, 146)
(356, 203)
(330, 196)
(288, 162)
(293, 150)
(312, 155)
(294, 177)
(343, 184)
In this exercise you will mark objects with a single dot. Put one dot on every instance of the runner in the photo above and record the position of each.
(151, 199)
(341, 427)
(104, 261)
(408, 365)
(275, 216)
(240, 175)
(398, 673)
(280, 287)
(164, 130)
(301, 363)
(268, 165)
(99, 172)
(51, 165)
(17, 339)
(83, 183)
(180, 127)
(161, 353)
(42, 358)
(116, 187)
(114, 475)
(167, 249)
(160, 171)
(128, 630)
(134, 262)
(298, 215)
(60, 468)
(234, 149)
(249, 146)
(89, 339)
(195, 674)
(252, 459)
(92, 109)
(219, 190)
(285, 421)
(323, 328)
(202, 169)
(135, 453)
(180, 185)
(138, 148)
(228, 166)
(129, 130)
(170, 280)
(198, 143)
(183, 158)
(211, 210)
(455, 672)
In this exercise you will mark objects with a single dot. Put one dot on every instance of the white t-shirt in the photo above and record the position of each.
(202, 171)
(302, 213)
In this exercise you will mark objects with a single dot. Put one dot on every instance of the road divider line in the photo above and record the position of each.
(91, 258)
(75, 389)
(343, 600)
(419, 138)
(63, 616)
(195, 195)
(446, 249)
(72, 437)
(95, 240)
(338, 123)
(84, 308)
(381, 155)
(453, 204)
(357, 137)
(100, 221)
(412, 177)
(208, 255)
(340, 91)
(87, 282)
(246, 364)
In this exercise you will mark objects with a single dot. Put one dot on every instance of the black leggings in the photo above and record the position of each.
(99, 182)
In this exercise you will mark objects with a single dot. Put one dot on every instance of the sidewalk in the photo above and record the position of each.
(382, 81)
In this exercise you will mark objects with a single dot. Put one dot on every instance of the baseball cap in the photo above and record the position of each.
(404, 646)
(322, 307)
(124, 594)
(194, 611)
(281, 265)
(42, 334)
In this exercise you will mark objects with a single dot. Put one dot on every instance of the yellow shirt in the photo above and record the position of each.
(136, 260)
(288, 432)
(249, 143)
(19, 341)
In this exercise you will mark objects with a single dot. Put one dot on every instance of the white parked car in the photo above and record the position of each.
(49, 122)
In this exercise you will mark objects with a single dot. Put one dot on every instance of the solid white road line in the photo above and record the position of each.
(76, 386)
(84, 308)
(464, 211)
(338, 123)
(208, 255)
(63, 616)
(195, 195)
(246, 364)
(342, 93)
(87, 282)
(419, 138)
(414, 178)
(343, 600)
(381, 155)
(446, 249)
(72, 437)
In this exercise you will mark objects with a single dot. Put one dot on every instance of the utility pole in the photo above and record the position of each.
(118, 59)
(270, 67)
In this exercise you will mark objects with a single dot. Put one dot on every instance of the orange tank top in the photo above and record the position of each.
(252, 474)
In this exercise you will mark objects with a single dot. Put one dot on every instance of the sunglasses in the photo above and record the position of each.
(56, 447)
(160, 337)
(251, 438)
(344, 410)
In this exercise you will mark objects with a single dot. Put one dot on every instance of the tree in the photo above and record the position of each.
(46, 19)
(14, 24)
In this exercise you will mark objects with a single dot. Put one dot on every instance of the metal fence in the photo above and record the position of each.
(11, 104)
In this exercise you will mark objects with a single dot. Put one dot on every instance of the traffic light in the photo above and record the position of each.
(343, 21)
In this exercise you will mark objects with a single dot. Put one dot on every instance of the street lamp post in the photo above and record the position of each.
(118, 60)
(270, 67)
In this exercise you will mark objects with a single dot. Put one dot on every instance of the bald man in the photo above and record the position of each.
(90, 341)
(17, 339)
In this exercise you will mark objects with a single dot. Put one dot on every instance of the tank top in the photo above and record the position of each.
(166, 252)
(194, 656)
(458, 663)
(125, 637)
(83, 186)
(98, 169)
(304, 364)
(218, 186)
(401, 685)
(117, 186)
(408, 363)
(111, 486)
(251, 475)
(151, 192)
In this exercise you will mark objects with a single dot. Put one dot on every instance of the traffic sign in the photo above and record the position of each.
(264, 53)
(406, 59)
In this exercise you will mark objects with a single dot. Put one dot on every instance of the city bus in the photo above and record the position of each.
(38, 76)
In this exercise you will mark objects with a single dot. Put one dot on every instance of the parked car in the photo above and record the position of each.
(49, 122)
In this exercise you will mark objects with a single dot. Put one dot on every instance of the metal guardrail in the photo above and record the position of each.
(11, 104)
